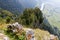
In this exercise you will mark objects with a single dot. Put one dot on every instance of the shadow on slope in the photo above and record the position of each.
(46, 26)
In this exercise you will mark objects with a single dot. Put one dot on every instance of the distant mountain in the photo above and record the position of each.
(16, 6)
(28, 3)
(52, 14)
(52, 18)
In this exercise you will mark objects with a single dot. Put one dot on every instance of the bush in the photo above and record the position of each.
(8, 19)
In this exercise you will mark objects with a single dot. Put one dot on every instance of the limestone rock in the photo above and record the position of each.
(30, 34)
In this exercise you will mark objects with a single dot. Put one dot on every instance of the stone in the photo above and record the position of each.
(17, 25)
(6, 38)
(30, 34)
(3, 37)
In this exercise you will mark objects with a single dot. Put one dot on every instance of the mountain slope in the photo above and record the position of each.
(52, 14)
(52, 18)
(11, 5)
(16, 6)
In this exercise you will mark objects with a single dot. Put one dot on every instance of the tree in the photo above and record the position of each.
(38, 14)
(26, 17)
(32, 17)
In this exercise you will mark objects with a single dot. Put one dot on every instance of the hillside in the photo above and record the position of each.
(39, 34)
(6, 17)
(44, 21)
(16, 6)
(51, 18)
(52, 15)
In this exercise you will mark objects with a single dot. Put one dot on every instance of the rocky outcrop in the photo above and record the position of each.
(30, 34)
(15, 27)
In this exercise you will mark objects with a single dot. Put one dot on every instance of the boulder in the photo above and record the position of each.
(15, 27)
(30, 34)
(3, 37)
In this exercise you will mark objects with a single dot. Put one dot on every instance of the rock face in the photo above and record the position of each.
(30, 34)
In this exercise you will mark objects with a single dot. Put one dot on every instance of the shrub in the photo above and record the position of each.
(8, 19)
